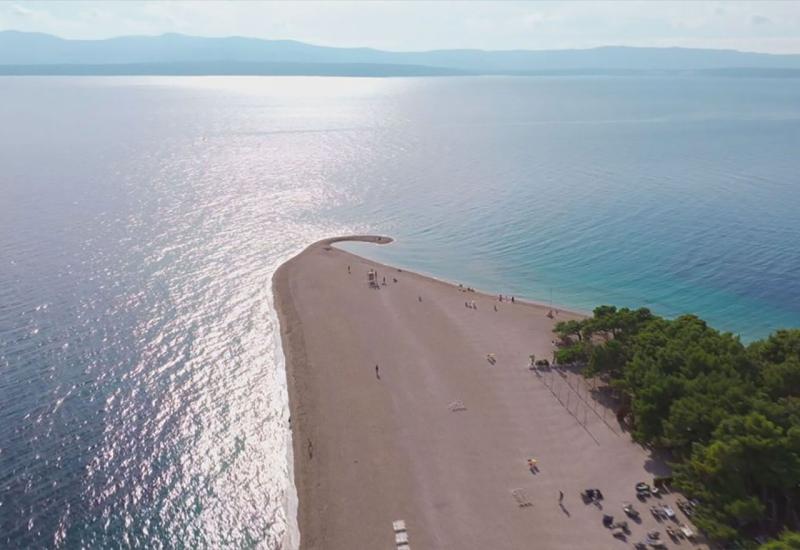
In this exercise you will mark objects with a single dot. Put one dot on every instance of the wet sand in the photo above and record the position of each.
(370, 450)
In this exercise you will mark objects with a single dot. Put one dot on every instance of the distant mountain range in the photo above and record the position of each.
(176, 54)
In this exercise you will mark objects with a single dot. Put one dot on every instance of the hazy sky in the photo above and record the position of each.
(754, 26)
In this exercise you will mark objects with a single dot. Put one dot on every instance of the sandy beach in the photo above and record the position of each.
(440, 436)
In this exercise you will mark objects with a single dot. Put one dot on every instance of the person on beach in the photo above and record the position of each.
(348, 269)
(419, 298)
(560, 497)
(512, 299)
(377, 372)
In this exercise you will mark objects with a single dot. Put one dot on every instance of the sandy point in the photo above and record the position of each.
(412, 400)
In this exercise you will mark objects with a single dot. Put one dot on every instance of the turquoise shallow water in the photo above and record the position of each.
(142, 395)
(679, 195)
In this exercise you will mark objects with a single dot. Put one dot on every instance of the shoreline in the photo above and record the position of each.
(479, 291)
(292, 344)
(439, 437)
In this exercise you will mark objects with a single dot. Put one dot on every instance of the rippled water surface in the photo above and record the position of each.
(142, 394)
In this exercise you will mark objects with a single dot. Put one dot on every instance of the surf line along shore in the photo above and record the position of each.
(407, 405)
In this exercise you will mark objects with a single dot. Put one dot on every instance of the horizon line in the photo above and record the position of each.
(461, 49)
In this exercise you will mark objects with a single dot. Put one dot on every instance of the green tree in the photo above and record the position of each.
(730, 414)
(567, 329)
(789, 540)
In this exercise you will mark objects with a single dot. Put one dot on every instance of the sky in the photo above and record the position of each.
(761, 26)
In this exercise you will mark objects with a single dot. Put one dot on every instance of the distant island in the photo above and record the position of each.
(23, 53)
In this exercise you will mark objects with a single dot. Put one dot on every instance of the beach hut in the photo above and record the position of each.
(372, 278)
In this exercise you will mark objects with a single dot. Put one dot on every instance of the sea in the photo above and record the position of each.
(142, 386)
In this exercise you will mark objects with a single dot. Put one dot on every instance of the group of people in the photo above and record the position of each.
(372, 278)
(471, 304)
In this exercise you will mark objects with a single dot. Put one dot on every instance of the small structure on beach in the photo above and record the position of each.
(400, 535)
(457, 406)
(521, 497)
(372, 278)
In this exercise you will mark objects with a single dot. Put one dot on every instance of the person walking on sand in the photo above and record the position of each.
(560, 497)
(348, 269)
(377, 372)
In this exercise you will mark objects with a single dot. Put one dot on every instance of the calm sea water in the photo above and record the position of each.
(142, 394)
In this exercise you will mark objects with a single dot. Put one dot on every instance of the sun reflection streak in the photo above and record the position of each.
(168, 385)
